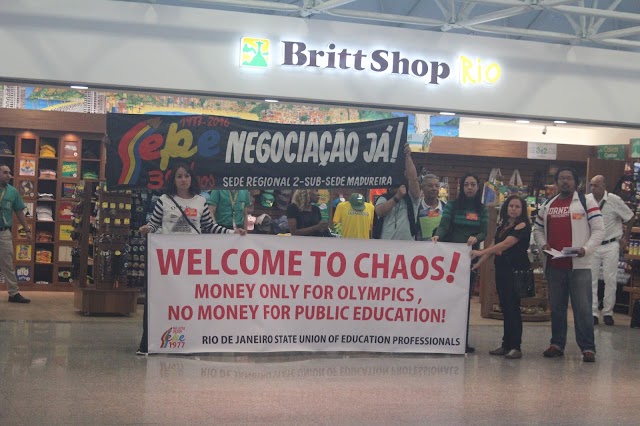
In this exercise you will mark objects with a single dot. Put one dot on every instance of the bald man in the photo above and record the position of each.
(618, 220)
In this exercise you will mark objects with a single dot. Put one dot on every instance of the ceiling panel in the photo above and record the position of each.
(605, 24)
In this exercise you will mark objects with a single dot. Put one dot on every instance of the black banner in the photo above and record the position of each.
(233, 153)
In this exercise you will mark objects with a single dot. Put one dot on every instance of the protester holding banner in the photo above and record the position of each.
(465, 220)
(430, 209)
(180, 210)
(303, 216)
(510, 247)
(397, 208)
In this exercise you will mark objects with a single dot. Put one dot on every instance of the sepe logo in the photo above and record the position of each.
(173, 338)
(254, 52)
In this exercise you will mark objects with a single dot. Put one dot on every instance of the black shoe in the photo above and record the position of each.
(469, 349)
(588, 356)
(553, 352)
(608, 320)
(17, 298)
(595, 320)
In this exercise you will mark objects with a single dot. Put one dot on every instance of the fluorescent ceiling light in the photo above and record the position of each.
(560, 122)
(447, 113)
(523, 121)
(79, 87)
(271, 100)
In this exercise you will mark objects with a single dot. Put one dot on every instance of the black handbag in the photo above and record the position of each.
(524, 283)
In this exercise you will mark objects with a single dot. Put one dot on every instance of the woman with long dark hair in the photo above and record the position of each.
(510, 249)
(465, 220)
(180, 210)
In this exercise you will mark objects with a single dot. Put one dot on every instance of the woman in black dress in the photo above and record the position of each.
(510, 249)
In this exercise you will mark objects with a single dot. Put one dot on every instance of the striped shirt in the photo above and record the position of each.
(167, 216)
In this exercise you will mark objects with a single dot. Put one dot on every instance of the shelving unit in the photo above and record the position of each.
(110, 292)
(47, 166)
(629, 188)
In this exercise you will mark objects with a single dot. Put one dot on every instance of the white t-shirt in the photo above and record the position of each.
(168, 217)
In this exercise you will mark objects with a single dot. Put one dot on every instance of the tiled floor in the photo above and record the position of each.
(59, 367)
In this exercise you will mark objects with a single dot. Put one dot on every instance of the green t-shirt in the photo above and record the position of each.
(460, 223)
(223, 200)
(11, 202)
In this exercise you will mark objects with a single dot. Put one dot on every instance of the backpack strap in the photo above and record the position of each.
(183, 214)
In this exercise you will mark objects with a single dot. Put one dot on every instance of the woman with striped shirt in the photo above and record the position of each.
(181, 210)
(182, 194)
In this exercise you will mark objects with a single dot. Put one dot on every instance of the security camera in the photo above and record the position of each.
(544, 131)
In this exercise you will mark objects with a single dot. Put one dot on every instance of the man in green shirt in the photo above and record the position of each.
(10, 202)
(230, 208)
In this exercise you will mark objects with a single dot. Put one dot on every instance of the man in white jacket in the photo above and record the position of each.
(569, 220)
(618, 220)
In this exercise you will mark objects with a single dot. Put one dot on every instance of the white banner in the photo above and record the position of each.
(222, 293)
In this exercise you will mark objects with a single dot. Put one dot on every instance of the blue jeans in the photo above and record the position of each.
(574, 283)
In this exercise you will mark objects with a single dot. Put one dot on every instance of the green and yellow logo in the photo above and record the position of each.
(254, 52)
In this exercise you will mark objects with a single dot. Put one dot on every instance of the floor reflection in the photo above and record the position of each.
(87, 373)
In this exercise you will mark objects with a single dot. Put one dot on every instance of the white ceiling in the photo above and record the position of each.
(606, 24)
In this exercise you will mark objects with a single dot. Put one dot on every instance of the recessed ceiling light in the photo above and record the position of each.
(271, 100)
(447, 113)
(523, 121)
(560, 122)
(79, 87)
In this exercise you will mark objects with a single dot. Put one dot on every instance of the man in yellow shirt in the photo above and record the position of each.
(355, 216)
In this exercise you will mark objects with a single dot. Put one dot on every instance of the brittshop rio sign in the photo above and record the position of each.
(258, 53)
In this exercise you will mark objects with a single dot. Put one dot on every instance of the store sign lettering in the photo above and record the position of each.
(297, 54)
(470, 70)
(475, 72)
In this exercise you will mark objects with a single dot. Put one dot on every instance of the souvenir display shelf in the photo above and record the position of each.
(109, 292)
(46, 167)
(630, 193)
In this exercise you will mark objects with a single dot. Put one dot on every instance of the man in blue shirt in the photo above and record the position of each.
(10, 202)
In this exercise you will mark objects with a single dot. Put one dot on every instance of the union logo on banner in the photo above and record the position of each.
(254, 52)
(173, 338)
